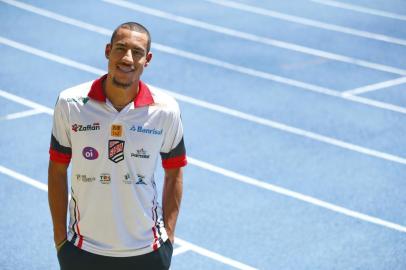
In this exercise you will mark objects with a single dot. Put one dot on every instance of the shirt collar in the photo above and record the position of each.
(143, 97)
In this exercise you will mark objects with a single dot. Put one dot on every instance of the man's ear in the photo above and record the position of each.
(148, 57)
(107, 50)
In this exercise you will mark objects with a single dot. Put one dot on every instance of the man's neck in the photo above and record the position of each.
(118, 96)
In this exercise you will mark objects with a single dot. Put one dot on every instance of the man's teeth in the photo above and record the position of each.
(125, 68)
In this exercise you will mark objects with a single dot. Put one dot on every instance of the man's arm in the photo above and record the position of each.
(58, 198)
(171, 198)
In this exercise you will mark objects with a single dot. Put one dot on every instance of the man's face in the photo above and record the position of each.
(127, 57)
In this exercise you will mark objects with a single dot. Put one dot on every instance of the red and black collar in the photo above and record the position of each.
(143, 97)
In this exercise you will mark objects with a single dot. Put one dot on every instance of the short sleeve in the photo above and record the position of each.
(173, 152)
(60, 147)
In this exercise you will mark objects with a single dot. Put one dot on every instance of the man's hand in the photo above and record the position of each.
(59, 238)
(59, 246)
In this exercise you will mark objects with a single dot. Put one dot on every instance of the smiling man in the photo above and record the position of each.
(115, 219)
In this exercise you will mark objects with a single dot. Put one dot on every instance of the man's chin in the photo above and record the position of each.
(124, 85)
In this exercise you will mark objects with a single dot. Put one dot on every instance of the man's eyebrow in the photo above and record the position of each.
(138, 49)
(121, 44)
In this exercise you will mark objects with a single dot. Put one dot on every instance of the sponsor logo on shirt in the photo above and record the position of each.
(140, 180)
(90, 153)
(85, 178)
(116, 150)
(127, 179)
(141, 129)
(82, 100)
(105, 178)
(77, 127)
(141, 153)
(116, 130)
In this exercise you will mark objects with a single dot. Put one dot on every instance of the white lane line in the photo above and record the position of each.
(283, 191)
(226, 31)
(375, 103)
(296, 195)
(361, 9)
(185, 244)
(275, 125)
(266, 122)
(309, 22)
(184, 54)
(235, 113)
(47, 55)
(247, 71)
(206, 60)
(211, 61)
(26, 102)
(375, 86)
(255, 38)
(213, 255)
(58, 17)
(23, 178)
(280, 126)
(17, 115)
(285, 128)
(179, 250)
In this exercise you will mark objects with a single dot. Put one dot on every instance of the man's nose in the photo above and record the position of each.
(128, 57)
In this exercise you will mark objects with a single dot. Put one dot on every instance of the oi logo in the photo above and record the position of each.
(90, 153)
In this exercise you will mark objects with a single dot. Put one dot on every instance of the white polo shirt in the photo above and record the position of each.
(114, 209)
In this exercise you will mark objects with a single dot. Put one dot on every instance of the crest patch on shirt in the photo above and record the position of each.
(116, 150)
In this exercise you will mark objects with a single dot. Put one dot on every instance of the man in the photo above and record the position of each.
(112, 130)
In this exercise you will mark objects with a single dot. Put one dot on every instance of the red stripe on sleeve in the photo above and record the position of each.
(59, 157)
(175, 162)
(80, 243)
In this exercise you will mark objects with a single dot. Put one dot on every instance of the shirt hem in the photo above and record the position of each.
(112, 253)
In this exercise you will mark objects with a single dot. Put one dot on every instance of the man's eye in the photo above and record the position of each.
(137, 52)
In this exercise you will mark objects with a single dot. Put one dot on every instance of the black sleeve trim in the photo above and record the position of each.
(178, 151)
(60, 148)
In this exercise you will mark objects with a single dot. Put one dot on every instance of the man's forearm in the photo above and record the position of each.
(58, 199)
(171, 199)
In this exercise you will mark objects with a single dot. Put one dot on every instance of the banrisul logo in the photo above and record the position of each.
(90, 153)
(116, 150)
(141, 129)
(78, 127)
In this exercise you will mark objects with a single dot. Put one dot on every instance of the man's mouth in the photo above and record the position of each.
(124, 68)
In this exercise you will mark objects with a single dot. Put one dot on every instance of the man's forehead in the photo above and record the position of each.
(127, 37)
